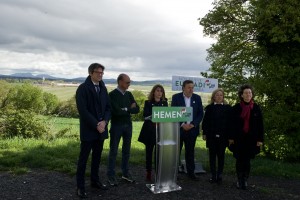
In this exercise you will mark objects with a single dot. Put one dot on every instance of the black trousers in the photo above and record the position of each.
(243, 167)
(189, 141)
(149, 156)
(216, 152)
(96, 146)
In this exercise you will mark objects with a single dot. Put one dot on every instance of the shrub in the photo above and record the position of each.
(67, 108)
(27, 97)
(22, 123)
(51, 102)
(140, 98)
(282, 139)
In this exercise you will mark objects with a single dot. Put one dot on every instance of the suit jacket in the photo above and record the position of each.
(92, 108)
(196, 104)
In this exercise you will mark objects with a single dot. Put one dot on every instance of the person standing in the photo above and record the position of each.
(216, 127)
(148, 132)
(123, 105)
(247, 133)
(94, 113)
(189, 130)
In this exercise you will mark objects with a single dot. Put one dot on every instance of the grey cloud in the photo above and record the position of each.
(120, 34)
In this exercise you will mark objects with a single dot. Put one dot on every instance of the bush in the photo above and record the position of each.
(22, 123)
(51, 102)
(27, 97)
(140, 98)
(282, 139)
(67, 108)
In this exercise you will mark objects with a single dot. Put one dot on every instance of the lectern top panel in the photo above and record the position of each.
(172, 114)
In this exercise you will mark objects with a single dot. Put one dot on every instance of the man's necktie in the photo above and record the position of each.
(97, 88)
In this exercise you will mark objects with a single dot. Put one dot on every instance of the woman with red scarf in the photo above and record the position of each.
(247, 133)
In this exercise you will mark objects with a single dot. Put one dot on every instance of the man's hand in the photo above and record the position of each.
(187, 127)
(133, 105)
(101, 126)
(259, 144)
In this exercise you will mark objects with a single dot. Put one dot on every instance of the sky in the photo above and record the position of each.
(145, 39)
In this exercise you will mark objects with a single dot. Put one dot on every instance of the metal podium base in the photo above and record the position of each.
(163, 189)
(198, 168)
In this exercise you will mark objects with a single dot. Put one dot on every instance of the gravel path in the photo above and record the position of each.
(40, 184)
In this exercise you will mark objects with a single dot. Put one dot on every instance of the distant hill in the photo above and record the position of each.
(79, 79)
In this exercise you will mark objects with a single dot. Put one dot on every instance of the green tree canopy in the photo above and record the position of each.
(257, 42)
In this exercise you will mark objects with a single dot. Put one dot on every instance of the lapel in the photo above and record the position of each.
(182, 102)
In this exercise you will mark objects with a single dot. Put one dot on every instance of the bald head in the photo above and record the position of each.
(123, 81)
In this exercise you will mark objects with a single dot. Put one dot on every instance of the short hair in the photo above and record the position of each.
(94, 66)
(212, 100)
(242, 88)
(151, 94)
(186, 82)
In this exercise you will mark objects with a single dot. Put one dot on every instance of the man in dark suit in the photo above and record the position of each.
(189, 130)
(94, 113)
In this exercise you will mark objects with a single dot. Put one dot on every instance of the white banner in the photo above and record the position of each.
(200, 84)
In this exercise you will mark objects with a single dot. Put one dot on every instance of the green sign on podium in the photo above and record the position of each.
(172, 114)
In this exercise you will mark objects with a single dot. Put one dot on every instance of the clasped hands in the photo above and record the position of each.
(101, 126)
(187, 127)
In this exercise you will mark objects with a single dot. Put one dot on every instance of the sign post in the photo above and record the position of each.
(167, 146)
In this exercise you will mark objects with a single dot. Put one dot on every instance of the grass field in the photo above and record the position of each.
(66, 92)
(60, 153)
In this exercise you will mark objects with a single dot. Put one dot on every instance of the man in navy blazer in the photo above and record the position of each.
(94, 113)
(189, 130)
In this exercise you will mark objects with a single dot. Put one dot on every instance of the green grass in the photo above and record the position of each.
(60, 153)
(62, 92)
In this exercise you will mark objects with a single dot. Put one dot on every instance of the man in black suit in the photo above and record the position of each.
(94, 113)
(189, 130)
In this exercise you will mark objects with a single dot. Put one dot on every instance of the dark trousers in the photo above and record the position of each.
(189, 141)
(85, 148)
(216, 152)
(116, 132)
(243, 167)
(149, 155)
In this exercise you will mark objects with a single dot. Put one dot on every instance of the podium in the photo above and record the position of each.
(167, 146)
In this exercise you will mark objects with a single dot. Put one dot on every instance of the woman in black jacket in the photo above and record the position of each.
(215, 128)
(148, 132)
(247, 133)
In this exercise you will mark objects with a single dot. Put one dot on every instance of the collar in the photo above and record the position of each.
(218, 103)
(120, 90)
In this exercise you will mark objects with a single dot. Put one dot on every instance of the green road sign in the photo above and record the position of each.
(172, 114)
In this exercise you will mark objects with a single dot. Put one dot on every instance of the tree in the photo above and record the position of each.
(258, 42)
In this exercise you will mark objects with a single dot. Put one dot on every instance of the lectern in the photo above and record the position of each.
(167, 146)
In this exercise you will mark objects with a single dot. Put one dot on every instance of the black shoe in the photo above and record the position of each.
(193, 177)
(219, 179)
(99, 185)
(244, 185)
(81, 193)
(212, 180)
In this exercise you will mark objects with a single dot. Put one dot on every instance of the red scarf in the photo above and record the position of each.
(245, 115)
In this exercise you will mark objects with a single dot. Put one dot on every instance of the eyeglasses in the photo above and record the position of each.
(101, 73)
(127, 82)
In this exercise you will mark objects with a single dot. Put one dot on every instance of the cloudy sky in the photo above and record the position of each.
(147, 39)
